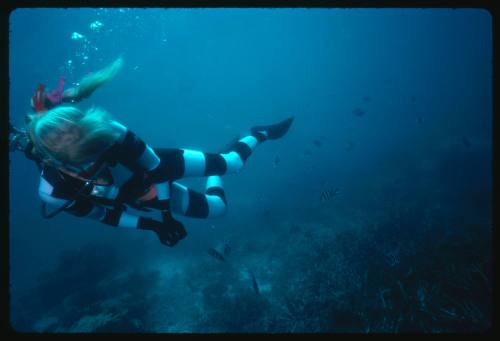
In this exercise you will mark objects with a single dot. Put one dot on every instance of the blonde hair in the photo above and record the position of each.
(72, 136)
(92, 81)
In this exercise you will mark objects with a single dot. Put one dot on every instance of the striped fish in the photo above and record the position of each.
(329, 194)
(216, 254)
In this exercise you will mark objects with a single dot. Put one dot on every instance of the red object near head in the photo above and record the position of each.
(37, 101)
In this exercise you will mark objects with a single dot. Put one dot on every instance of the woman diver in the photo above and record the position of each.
(95, 167)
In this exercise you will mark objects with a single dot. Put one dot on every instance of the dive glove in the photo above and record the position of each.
(170, 231)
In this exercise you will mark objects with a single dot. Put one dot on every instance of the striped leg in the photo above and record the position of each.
(181, 163)
(241, 150)
(190, 203)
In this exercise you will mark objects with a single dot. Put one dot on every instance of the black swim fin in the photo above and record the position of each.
(275, 131)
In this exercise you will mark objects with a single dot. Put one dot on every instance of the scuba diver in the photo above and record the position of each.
(94, 167)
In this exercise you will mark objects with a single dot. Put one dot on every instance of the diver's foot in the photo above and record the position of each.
(274, 131)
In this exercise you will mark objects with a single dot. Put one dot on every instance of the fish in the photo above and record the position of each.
(420, 120)
(349, 146)
(322, 138)
(358, 112)
(307, 152)
(367, 99)
(466, 141)
(413, 99)
(216, 254)
(267, 212)
(254, 282)
(329, 194)
(276, 161)
(317, 143)
(226, 249)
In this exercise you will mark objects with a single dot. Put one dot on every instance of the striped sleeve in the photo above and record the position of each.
(134, 153)
(50, 193)
(137, 156)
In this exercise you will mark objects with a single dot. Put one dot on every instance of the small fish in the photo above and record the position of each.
(216, 254)
(267, 212)
(466, 141)
(413, 99)
(420, 120)
(226, 249)
(349, 146)
(307, 234)
(317, 143)
(367, 99)
(276, 161)
(328, 194)
(307, 152)
(358, 112)
(322, 138)
(254, 282)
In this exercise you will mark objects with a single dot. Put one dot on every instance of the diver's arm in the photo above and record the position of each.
(57, 193)
(85, 208)
(91, 82)
(133, 153)
(141, 159)
(54, 191)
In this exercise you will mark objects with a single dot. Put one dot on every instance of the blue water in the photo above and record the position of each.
(406, 246)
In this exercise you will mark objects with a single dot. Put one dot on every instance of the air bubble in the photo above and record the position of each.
(96, 26)
(77, 36)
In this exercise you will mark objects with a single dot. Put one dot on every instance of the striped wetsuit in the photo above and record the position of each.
(133, 167)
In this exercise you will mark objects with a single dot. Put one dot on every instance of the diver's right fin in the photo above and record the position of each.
(275, 131)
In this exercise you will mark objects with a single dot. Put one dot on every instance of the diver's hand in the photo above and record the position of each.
(174, 227)
(169, 232)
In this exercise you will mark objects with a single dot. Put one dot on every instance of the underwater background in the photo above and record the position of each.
(373, 214)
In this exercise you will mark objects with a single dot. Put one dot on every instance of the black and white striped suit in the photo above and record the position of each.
(133, 167)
